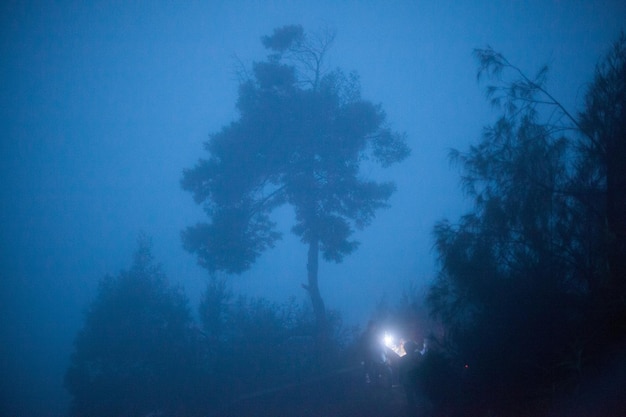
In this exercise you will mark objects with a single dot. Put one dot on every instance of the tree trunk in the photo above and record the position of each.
(314, 292)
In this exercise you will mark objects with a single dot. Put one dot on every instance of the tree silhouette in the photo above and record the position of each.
(135, 353)
(528, 289)
(603, 149)
(300, 139)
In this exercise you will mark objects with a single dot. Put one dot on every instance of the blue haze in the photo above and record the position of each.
(103, 104)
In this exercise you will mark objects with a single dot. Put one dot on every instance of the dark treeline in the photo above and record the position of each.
(529, 302)
(532, 285)
(141, 352)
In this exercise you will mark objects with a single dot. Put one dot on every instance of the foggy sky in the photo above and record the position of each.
(103, 105)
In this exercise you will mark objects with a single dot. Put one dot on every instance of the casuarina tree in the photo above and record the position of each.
(300, 139)
(535, 271)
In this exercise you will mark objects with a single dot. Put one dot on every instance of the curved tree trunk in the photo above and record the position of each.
(314, 292)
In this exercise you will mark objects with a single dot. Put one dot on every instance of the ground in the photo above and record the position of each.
(344, 393)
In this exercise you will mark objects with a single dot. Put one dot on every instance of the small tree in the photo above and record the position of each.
(135, 353)
(300, 139)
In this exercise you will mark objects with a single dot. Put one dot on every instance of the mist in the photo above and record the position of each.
(104, 105)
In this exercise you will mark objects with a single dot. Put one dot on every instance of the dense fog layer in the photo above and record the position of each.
(106, 105)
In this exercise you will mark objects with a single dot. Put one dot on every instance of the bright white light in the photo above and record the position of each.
(388, 340)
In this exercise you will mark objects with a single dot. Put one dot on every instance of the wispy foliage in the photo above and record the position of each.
(529, 272)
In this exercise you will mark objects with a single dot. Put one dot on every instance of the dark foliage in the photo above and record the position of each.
(255, 348)
(283, 38)
(140, 353)
(531, 288)
(136, 352)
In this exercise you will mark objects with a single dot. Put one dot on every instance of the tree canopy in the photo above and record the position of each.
(531, 284)
(300, 139)
(135, 353)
